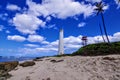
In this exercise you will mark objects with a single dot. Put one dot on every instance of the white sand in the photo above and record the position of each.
(72, 68)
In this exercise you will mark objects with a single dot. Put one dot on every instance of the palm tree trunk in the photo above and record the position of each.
(101, 33)
(104, 27)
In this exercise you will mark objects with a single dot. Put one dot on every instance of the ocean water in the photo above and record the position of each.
(6, 59)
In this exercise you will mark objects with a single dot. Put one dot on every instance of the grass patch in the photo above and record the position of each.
(99, 49)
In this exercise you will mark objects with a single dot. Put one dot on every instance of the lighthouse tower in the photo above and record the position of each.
(61, 43)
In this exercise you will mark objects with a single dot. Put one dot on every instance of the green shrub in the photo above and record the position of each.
(99, 49)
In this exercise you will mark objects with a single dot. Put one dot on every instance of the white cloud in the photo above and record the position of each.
(48, 18)
(31, 45)
(45, 42)
(36, 9)
(46, 49)
(105, 7)
(35, 38)
(16, 38)
(4, 16)
(12, 7)
(118, 3)
(81, 24)
(7, 31)
(115, 37)
(52, 26)
(71, 44)
(66, 8)
(31, 38)
(26, 23)
(1, 27)
(93, 1)
(40, 51)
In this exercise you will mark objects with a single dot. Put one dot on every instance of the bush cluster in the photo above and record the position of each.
(99, 49)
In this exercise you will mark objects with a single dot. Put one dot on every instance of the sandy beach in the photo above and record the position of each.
(71, 68)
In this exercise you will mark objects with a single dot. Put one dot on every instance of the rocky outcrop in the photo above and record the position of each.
(56, 61)
(5, 67)
(27, 63)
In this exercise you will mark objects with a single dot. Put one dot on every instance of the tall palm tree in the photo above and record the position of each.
(99, 9)
(118, 1)
(101, 32)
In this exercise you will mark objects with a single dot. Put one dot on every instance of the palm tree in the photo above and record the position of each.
(101, 33)
(99, 9)
(118, 1)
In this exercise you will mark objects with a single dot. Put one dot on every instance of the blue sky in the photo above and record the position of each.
(31, 27)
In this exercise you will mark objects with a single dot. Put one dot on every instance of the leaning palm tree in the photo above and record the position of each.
(118, 1)
(101, 27)
(99, 9)
(101, 33)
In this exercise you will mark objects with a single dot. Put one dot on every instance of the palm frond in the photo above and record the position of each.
(118, 1)
(99, 4)
(99, 7)
(98, 12)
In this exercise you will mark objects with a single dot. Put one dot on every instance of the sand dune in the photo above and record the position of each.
(71, 68)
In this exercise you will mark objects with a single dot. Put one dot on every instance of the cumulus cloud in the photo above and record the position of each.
(118, 3)
(4, 16)
(31, 45)
(16, 38)
(52, 26)
(12, 7)
(66, 8)
(35, 38)
(1, 27)
(7, 31)
(105, 7)
(93, 1)
(115, 37)
(81, 24)
(71, 44)
(36, 9)
(46, 49)
(45, 42)
(26, 23)
(48, 18)
(30, 38)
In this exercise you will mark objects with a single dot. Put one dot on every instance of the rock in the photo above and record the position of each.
(55, 61)
(27, 63)
(8, 66)
(2, 78)
(48, 79)
(37, 60)
(109, 58)
(48, 59)
(27, 78)
(5, 67)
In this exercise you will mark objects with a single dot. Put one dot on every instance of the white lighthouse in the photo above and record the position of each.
(61, 43)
